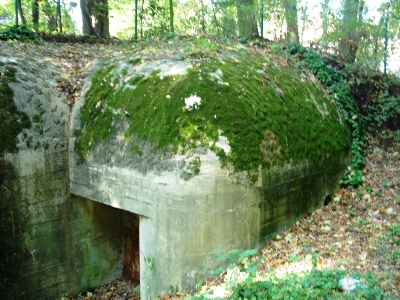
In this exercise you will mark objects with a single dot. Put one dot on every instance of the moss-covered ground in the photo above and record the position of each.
(269, 112)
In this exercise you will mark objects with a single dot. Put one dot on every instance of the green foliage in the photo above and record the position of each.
(336, 83)
(235, 258)
(387, 245)
(201, 47)
(315, 284)
(395, 233)
(21, 32)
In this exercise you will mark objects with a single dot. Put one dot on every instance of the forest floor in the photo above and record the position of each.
(355, 232)
(358, 231)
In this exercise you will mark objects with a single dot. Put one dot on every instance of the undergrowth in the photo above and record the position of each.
(376, 116)
(21, 32)
(316, 283)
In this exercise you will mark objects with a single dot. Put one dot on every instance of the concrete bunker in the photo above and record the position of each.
(199, 152)
(215, 152)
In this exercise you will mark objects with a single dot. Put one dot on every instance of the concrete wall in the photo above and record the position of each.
(180, 221)
(35, 219)
(51, 243)
(293, 190)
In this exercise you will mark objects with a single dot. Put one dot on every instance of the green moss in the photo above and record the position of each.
(36, 118)
(134, 61)
(12, 121)
(253, 98)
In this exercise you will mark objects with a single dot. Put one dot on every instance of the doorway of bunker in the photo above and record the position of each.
(131, 251)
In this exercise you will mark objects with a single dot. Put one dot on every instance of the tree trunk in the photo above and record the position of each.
(350, 35)
(50, 16)
(100, 13)
(171, 17)
(292, 35)
(21, 13)
(86, 7)
(215, 17)
(141, 20)
(35, 14)
(135, 37)
(203, 20)
(58, 16)
(246, 18)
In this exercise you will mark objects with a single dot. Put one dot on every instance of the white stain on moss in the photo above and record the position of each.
(144, 69)
(217, 75)
(193, 101)
(322, 108)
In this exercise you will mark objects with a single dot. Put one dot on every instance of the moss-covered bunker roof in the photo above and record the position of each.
(268, 111)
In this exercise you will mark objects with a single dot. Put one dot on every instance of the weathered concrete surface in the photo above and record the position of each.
(293, 190)
(181, 221)
(51, 244)
(188, 201)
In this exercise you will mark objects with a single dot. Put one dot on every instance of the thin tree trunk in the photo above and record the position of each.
(100, 12)
(203, 21)
(376, 44)
(58, 16)
(35, 14)
(262, 18)
(292, 35)
(215, 17)
(21, 13)
(136, 20)
(246, 18)
(171, 17)
(141, 20)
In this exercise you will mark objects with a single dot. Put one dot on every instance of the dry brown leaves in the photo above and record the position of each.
(72, 62)
(351, 232)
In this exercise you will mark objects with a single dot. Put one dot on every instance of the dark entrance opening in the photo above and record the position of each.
(131, 258)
